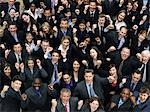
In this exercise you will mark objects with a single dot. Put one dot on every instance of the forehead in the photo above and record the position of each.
(64, 21)
(12, 26)
(125, 91)
(18, 45)
(17, 81)
(88, 74)
(55, 53)
(125, 50)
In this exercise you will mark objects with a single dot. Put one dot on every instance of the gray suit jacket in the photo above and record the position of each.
(73, 103)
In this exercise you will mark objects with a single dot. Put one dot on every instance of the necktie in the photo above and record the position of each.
(144, 73)
(132, 87)
(38, 93)
(66, 110)
(55, 72)
(120, 69)
(120, 103)
(92, 13)
(19, 58)
(64, 33)
(92, 93)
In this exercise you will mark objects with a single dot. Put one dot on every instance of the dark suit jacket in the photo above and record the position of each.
(12, 101)
(113, 40)
(137, 49)
(5, 7)
(92, 20)
(49, 67)
(137, 87)
(10, 39)
(148, 72)
(60, 35)
(129, 65)
(28, 77)
(143, 107)
(11, 59)
(125, 107)
(73, 103)
(35, 102)
(81, 90)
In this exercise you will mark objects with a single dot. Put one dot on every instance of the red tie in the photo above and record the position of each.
(66, 110)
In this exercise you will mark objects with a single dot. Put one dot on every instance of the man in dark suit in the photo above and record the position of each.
(13, 35)
(10, 4)
(133, 82)
(125, 63)
(91, 12)
(117, 39)
(12, 97)
(53, 67)
(44, 50)
(64, 30)
(37, 97)
(122, 102)
(92, 86)
(66, 103)
(16, 57)
(145, 67)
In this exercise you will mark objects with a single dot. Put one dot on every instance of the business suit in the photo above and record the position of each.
(110, 8)
(28, 77)
(147, 72)
(49, 67)
(81, 90)
(12, 59)
(136, 88)
(11, 101)
(9, 39)
(5, 6)
(125, 107)
(60, 34)
(35, 101)
(143, 107)
(129, 65)
(92, 18)
(73, 103)
(135, 48)
(113, 40)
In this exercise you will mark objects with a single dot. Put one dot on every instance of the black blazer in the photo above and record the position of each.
(5, 7)
(48, 66)
(81, 90)
(28, 77)
(12, 101)
(92, 20)
(10, 39)
(125, 107)
(137, 87)
(35, 102)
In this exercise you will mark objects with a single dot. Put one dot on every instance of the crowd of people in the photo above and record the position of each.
(75, 55)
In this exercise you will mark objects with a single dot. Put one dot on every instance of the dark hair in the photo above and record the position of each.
(137, 71)
(102, 15)
(111, 66)
(88, 71)
(145, 90)
(87, 103)
(17, 77)
(99, 54)
(16, 43)
(56, 51)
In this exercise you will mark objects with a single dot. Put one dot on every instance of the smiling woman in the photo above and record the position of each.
(93, 105)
